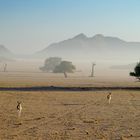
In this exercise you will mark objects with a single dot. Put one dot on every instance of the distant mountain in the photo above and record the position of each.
(5, 54)
(4, 50)
(98, 47)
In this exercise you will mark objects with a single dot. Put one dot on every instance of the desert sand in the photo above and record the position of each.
(70, 115)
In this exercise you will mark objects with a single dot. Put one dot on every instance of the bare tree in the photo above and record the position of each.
(92, 70)
(5, 67)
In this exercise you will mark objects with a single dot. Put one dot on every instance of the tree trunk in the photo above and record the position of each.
(5, 67)
(92, 71)
(65, 74)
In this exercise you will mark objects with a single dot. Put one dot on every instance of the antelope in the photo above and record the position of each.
(19, 108)
(109, 97)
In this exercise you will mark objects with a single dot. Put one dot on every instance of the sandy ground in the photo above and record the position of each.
(28, 79)
(70, 115)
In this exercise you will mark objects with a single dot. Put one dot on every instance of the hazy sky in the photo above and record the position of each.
(27, 26)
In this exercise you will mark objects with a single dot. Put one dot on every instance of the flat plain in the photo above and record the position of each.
(68, 115)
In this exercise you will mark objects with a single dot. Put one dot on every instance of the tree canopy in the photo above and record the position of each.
(136, 72)
(65, 67)
(50, 64)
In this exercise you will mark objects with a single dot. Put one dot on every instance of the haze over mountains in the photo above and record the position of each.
(5, 54)
(96, 47)
(81, 47)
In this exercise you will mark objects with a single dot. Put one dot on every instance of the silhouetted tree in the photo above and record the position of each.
(65, 67)
(136, 72)
(50, 64)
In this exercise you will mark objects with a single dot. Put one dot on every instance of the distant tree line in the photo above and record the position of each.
(57, 65)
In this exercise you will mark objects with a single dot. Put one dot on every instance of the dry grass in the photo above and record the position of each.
(67, 115)
(70, 116)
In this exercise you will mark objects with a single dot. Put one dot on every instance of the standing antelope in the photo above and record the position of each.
(109, 97)
(19, 108)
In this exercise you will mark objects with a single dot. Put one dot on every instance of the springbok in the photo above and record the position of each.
(109, 97)
(19, 108)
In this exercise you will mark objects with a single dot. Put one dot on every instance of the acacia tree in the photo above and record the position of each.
(136, 72)
(50, 64)
(65, 67)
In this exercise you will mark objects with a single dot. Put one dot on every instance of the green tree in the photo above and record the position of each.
(136, 72)
(65, 67)
(50, 64)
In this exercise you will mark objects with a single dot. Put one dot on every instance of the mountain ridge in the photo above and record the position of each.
(95, 46)
(5, 54)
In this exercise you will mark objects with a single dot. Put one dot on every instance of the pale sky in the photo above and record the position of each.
(27, 26)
